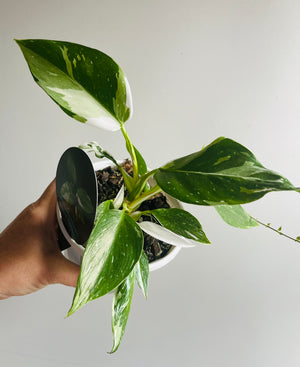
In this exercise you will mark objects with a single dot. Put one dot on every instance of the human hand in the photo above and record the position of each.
(30, 258)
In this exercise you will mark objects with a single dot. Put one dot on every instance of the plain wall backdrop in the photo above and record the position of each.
(198, 70)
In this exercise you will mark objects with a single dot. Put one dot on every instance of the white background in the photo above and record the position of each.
(198, 70)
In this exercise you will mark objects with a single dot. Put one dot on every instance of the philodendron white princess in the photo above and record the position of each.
(90, 87)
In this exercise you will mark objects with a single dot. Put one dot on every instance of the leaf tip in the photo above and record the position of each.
(114, 348)
(145, 294)
(70, 313)
(72, 310)
(18, 42)
(205, 240)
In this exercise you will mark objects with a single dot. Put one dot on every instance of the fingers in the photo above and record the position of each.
(70, 274)
(61, 270)
(64, 272)
(48, 201)
(49, 195)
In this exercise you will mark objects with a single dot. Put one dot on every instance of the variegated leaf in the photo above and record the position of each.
(142, 273)
(120, 309)
(86, 83)
(180, 222)
(225, 172)
(165, 235)
(113, 249)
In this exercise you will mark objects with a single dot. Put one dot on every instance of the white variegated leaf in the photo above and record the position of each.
(119, 198)
(86, 83)
(165, 235)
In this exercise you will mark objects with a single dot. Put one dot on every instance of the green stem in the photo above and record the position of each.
(276, 230)
(145, 196)
(140, 185)
(131, 151)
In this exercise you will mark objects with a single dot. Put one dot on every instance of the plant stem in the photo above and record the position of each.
(131, 151)
(145, 196)
(276, 230)
(140, 185)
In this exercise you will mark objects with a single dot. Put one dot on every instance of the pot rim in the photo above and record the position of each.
(79, 249)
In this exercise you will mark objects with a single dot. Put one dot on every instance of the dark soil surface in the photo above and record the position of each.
(110, 180)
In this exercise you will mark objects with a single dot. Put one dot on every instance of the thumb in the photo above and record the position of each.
(64, 271)
(48, 202)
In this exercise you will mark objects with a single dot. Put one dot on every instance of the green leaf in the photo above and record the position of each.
(128, 180)
(142, 166)
(142, 273)
(113, 249)
(224, 172)
(236, 216)
(86, 83)
(103, 208)
(180, 222)
(120, 309)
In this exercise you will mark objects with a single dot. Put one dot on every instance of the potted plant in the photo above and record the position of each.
(90, 87)
(109, 184)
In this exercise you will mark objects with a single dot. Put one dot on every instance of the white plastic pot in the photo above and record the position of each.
(75, 252)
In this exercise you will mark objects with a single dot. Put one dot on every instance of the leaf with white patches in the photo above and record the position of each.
(165, 235)
(113, 249)
(118, 201)
(142, 273)
(225, 172)
(180, 222)
(120, 309)
(100, 153)
(235, 216)
(103, 208)
(86, 83)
